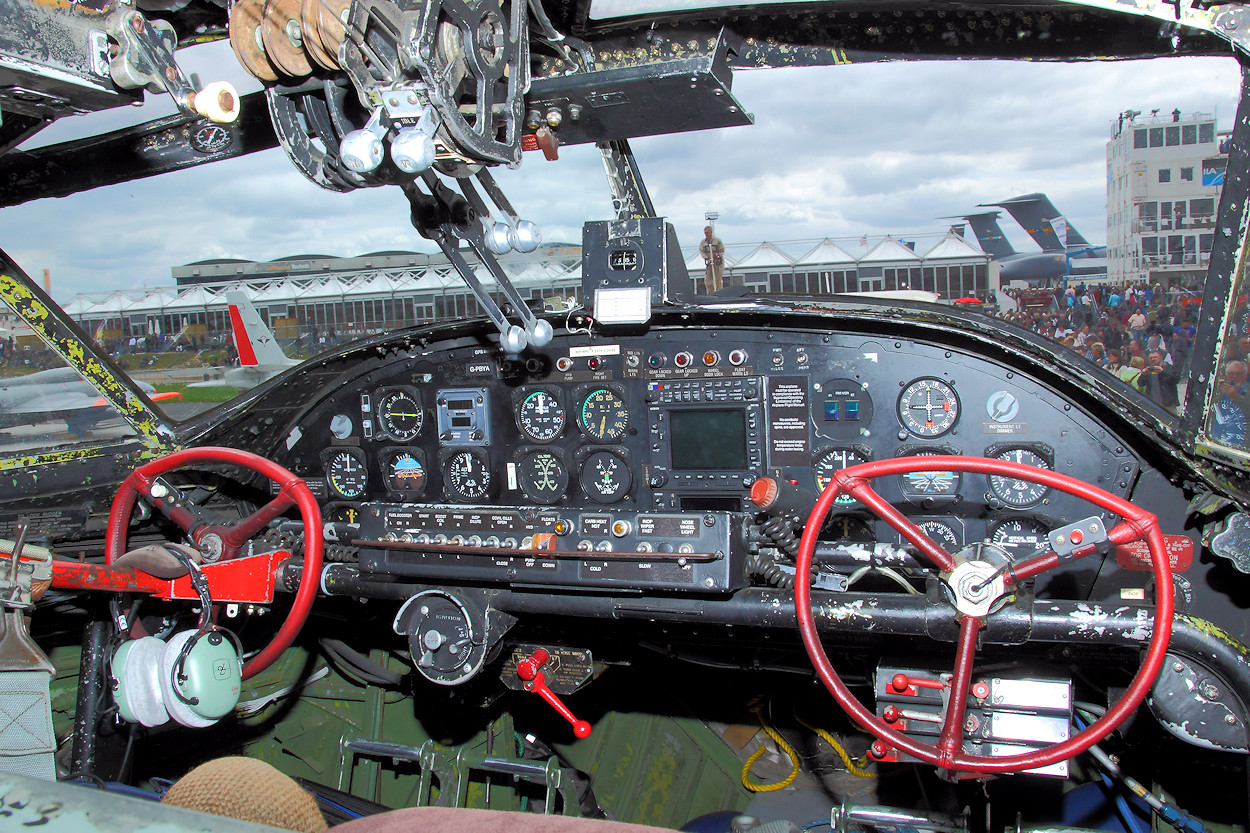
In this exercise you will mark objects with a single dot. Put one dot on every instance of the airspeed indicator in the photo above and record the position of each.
(346, 472)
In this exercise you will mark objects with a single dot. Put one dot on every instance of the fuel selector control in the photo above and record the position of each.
(446, 636)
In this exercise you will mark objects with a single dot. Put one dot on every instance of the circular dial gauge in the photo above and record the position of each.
(605, 477)
(850, 528)
(604, 416)
(541, 416)
(942, 533)
(542, 477)
(928, 407)
(400, 415)
(1019, 537)
(921, 486)
(405, 473)
(466, 476)
(833, 460)
(1019, 493)
(346, 472)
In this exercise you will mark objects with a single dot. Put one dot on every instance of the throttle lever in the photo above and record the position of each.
(535, 681)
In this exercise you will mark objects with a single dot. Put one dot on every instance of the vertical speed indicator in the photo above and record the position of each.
(928, 407)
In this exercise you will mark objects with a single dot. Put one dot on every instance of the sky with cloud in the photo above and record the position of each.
(838, 152)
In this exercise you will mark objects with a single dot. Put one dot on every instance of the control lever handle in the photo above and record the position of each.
(534, 680)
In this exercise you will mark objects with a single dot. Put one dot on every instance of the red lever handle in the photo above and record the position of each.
(528, 670)
(901, 683)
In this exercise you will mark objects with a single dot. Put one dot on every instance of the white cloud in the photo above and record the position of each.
(835, 151)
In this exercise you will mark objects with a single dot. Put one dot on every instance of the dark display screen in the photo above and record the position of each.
(709, 439)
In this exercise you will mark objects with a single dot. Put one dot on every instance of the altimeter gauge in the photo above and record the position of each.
(1014, 492)
(542, 477)
(466, 475)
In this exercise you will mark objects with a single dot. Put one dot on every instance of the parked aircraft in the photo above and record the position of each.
(260, 356)
(60, 393)
(1036, 214)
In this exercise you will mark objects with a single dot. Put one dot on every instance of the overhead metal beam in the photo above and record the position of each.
(144, 150)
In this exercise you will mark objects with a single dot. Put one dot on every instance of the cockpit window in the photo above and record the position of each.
(1229, 404)
(45, 404)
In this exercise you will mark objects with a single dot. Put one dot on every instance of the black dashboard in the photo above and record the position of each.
(625, 463)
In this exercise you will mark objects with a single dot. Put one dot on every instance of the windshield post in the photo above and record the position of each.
(1227, 255)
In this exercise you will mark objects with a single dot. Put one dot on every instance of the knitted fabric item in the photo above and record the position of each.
(248, 790)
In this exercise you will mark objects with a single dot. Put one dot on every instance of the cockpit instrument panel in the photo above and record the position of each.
(572, 466)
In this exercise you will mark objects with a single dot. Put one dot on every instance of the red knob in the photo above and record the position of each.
(900, 683)
(879, 749)
(891, 714)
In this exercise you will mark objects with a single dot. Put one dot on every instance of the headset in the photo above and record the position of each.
(195, 678)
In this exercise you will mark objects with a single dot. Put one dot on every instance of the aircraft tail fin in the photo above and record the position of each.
(990, 234)
(1037, 215)
(252, 339)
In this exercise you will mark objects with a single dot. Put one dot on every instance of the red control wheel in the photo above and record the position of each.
(226, 542)
(975, 588)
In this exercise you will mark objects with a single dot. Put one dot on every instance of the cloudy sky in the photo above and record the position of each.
(835, 152)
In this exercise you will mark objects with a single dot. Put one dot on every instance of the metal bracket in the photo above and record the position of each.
(630, 198)
(145, 58)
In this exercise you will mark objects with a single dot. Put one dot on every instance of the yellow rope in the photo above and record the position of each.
(847, 760)
(758, 708)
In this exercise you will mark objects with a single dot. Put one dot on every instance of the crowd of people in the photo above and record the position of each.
(1138, 333)
(1143, 335)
